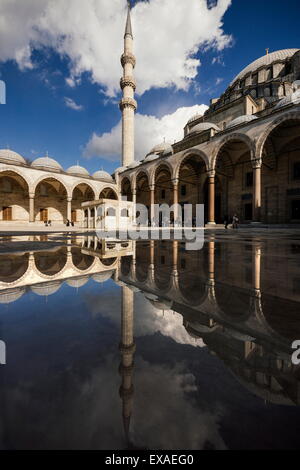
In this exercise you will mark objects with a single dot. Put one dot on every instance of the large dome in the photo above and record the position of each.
(9, 156)
(46, 163)
(241, 120)
(265, 61)
(77, 170)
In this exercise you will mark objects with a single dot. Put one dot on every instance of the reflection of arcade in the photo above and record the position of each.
(225, 304)
(44, 272)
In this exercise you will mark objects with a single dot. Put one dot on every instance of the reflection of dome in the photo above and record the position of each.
(160, 148)
(46, 163)
(151, 157)
(202, 127)
(77, 170)
(9, 156)
(133, 288)
(11, 296)
(102, 175)
(241, 120)
(294, 98)
(239, 336)
(266, 61)
(102, 277)
(48, 288)
(77, 282)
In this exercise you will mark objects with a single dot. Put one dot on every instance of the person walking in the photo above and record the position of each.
(235, 221)
(226, 221)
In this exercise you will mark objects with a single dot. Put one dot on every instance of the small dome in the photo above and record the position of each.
(151, 157)
(77, 282)
(11, 296)
(102, 277)
(195, 118)
(294, 98)
(102, 175)
(134, 164)
(120, 169)
(202, 127)
(241, 120)
(160, 148)
(46, 163)
(158, 303)
(46, 289)
(77, 170)
(9, 156)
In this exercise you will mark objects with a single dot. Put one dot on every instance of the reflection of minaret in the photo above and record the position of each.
(128, 104)
(211, 270)
(127, 348)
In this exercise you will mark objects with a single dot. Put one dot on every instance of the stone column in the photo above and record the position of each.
(69, 208)
(31, 207)
(257, 268)
(152, 202)
(175, 200)
(211, 198)
(134, 206)
(257, 190)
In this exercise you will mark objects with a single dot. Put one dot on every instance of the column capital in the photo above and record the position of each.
(256, 163)
(31, 195)
(175, 181)
(152, 187)
(211, 173)
(69, 199)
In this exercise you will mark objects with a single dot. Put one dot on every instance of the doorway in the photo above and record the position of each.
(44, 215)
(7, 214)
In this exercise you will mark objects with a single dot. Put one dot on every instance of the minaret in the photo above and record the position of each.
(128, 105)
(127, 349)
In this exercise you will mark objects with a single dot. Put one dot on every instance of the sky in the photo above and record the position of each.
(60, 61)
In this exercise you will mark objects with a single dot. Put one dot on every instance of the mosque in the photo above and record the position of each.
(242, 156)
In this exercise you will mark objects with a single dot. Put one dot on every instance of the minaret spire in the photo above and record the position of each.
(128, 105)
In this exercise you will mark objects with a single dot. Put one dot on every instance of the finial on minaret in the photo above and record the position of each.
(128, 29)
(267, 50)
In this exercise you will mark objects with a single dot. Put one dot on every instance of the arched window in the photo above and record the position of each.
(111, 212)
(124, 213)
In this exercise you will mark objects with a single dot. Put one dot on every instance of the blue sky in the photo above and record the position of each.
(36, 118)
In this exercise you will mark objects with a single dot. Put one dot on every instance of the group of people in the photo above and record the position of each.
(234, 221)
(69, 222)
(48, 223)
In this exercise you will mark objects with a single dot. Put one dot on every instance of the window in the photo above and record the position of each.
(249, 179)
(254, 79)
(111, 212)
(124, 213)
(296, 171)
(248, 211)
(74, 216)
(183, 190)
(162, 260)
(163, 194)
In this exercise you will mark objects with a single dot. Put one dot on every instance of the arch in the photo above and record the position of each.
(14, 196)
(83, 182)
(50, 264)
(161, 165)
(109, 193)
(51, 196)
(13, 268)
(52, 176)
(188, 154)
(126, 188)
(291, 116)
(237, 136)
(82, 192)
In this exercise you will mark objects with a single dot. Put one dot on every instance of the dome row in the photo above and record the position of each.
(49, 164)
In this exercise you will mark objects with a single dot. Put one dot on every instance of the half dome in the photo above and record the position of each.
(46, 289)
(151, 157)
(294, 98)
(265, 61)
(202, 127)
(102, 175)
(241, 120)
(77, 170)
(9, 156)
(77, 282)
(46, 163)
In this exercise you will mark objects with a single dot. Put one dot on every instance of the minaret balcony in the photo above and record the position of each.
(128, 103)
(127, 81)
(128, 58)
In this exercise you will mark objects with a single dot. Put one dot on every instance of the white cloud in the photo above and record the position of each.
(168, 34)
(149, 131)
(71, 104)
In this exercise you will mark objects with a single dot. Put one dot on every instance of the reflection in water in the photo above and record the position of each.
(229, 299)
